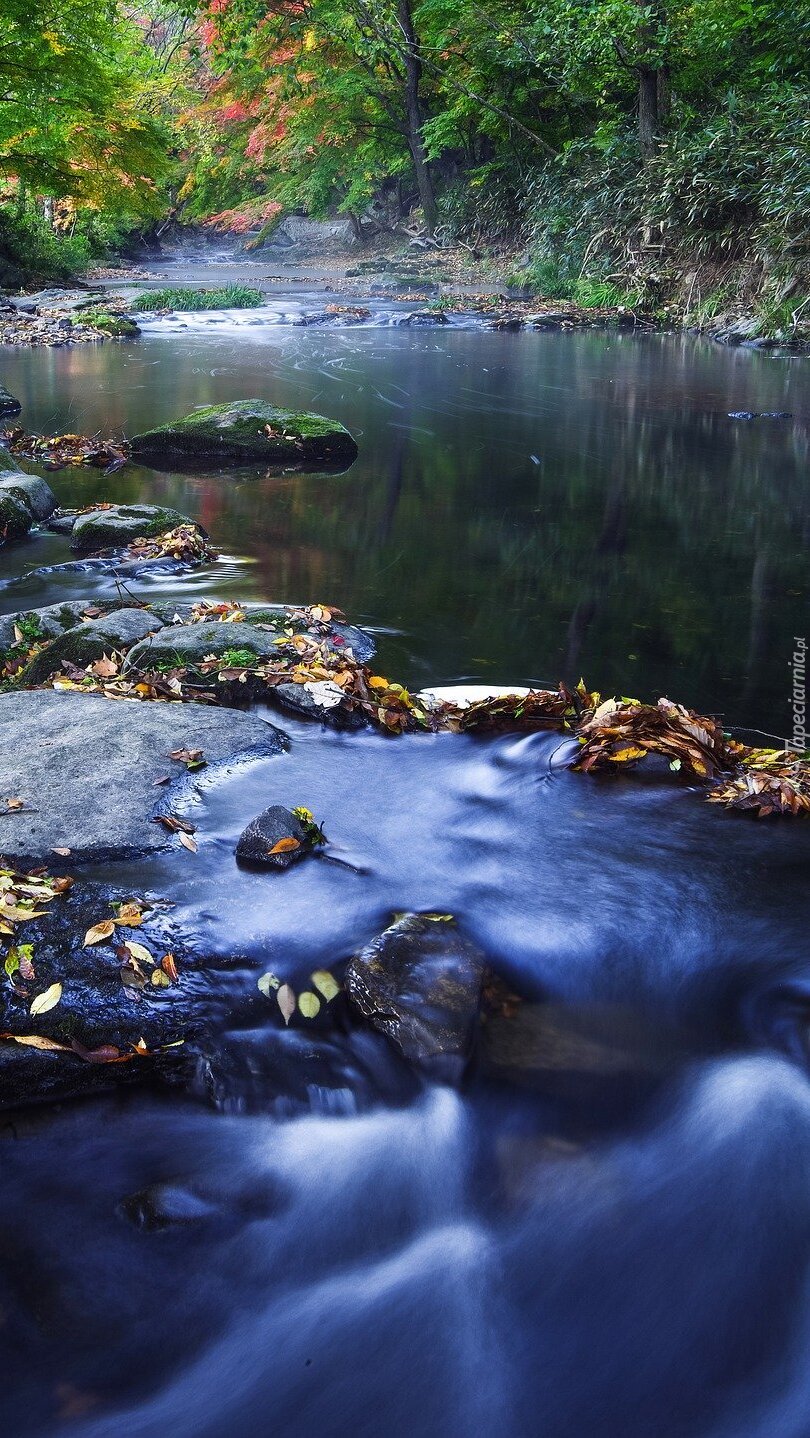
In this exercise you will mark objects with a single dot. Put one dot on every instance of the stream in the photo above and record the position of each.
(611, 1240)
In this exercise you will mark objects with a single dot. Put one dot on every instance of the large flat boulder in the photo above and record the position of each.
(49, 622)
(115, 528)
(246, 430)
(86, 767)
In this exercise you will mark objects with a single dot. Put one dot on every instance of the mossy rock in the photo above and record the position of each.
(248, 429)
(117, 326)
(15, 517)
(186, 645)
(117, 527)
(32, 491)
(8, 464)
(84, 643)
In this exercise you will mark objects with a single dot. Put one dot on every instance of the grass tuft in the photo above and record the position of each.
(230, 297)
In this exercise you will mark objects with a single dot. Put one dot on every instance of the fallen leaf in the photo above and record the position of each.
(35, 1041)
(160, 980)
(138, 952)
(187, 842)
(285, 846)
(309, 1004)
(129, 915)
(104, 668)
(327, 986)
(47, 1000)
(267, 983)
(15, 804)
(99, 932)
(169, 967)
(286, 1002)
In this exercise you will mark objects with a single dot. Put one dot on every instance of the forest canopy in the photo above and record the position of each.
(609, 138)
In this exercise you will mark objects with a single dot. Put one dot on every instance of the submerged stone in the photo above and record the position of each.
(117, 527)
(420, 983)
(273, 826)
(249, 429)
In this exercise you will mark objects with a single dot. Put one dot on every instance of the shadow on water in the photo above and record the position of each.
(606, 1235)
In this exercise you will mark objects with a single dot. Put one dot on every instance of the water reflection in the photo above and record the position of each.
(524, 506)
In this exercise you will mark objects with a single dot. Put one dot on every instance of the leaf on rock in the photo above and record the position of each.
(47, 1000)
(285, 846)
(99, 933)
(35, 1041)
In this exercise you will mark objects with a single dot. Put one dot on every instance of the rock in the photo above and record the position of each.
(317, 699)
(15, 517)
(342, 636)
(49, 622)
(8, 403)
(32, 491)
(188, 644)
(165, 1205)
(271, 827)
(117, 527)
(420, 983)
(92, 640)
(86, 768)
(61, 523)
(246, 430)
(424, 317)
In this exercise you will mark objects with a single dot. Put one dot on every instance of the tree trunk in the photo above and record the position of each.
(648, 115)
(415, 118)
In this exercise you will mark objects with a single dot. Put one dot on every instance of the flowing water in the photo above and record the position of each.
(613, 1239)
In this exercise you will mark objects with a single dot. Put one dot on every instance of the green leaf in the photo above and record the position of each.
(309, 1004)
(326, 984)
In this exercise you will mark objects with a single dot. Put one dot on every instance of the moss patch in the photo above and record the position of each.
(15, 517)
(249, 429)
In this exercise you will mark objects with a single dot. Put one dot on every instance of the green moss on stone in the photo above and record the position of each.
(15, 517)
(250, 429)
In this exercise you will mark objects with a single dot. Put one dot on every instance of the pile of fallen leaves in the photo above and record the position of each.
(769, 782)
(622, 731)
(186, 543)
(61, 450)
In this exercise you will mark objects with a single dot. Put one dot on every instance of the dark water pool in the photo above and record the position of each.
(524, 506)
(613, 1241)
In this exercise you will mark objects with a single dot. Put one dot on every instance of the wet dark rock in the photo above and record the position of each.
(339, 316)
(188, 644)
(420, 983)
(317, 700)
(271, 827)
(32, 491)
(115, 528)
(424, 317)
(61, 523)
(86, 642)
(165, 1205)
(15, 516)
(245, 430)
(8, 403)
(86, 767)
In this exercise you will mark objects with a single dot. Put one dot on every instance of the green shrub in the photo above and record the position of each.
(230, 297)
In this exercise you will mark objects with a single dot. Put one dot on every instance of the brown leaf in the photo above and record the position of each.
(169, 966)
(187, 842)
(99, 933)
(35, 1041)
(285, 846)
(104, 668)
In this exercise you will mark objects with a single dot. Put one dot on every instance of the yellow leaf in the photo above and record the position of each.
(284, 846)
(309, 1004)
(326, 984)
(47, 1000)
(376, 681)
(188, 842)
(36, 1041)
(99, 932)
(160, 980)
(138, 952)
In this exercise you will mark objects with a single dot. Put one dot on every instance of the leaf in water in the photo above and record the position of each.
(267, 983)
(309, 1004)
(130, 915)
(285, 846)
(676, 764)
(286, 1002)
(47, 1000)
(169, 967)
(99, 933)
(326, 984)
(138, 951)
(25, 957)
(160, 980)
(35, 1041)
(188, 842)
(104, 1054)
(12, 962)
